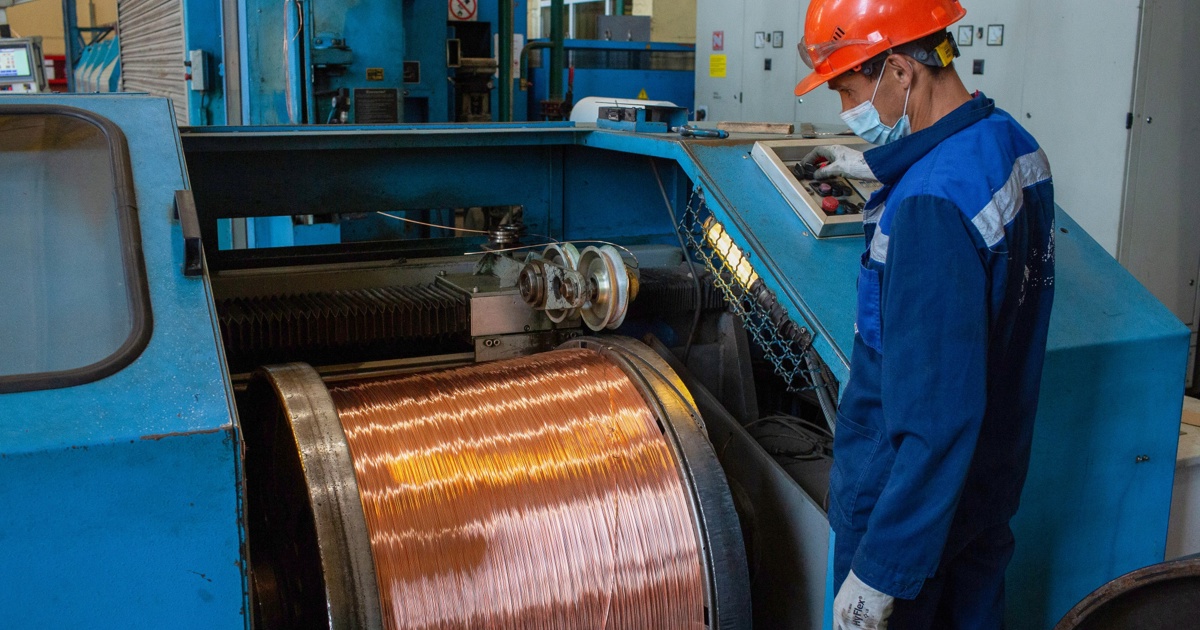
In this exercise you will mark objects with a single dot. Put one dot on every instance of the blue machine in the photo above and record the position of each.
(310, 61)
(123, 493)
(626, 70)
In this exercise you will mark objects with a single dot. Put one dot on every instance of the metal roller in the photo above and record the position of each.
(565, 255)
(610, 287)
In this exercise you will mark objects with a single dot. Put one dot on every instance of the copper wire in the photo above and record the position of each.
(532, 493)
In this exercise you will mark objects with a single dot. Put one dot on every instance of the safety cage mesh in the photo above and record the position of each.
(791, 353)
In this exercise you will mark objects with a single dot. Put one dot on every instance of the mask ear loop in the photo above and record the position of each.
(880, 82)
(907, 94)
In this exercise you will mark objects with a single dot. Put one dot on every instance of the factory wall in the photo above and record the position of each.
(671, 21)
(1065, 71)
(44, 18)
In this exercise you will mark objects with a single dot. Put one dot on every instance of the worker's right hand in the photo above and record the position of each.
(860, 607)
(841, 161)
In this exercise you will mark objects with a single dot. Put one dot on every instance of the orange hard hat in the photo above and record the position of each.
(842, 35)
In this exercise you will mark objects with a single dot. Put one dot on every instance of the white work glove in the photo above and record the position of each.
(843, 161)
(860, 606)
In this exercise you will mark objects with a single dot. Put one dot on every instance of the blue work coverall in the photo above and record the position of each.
(935, 426)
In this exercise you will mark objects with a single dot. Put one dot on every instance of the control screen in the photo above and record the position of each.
(14, 62)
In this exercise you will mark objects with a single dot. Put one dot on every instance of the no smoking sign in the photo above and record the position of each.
(463, 10)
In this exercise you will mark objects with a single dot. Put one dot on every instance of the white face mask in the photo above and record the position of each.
(864, 120)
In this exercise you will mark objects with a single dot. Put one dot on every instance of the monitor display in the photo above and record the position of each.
(15, 62)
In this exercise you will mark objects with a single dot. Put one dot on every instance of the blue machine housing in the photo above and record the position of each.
(123, 495)
(625, 70)
(122, 504)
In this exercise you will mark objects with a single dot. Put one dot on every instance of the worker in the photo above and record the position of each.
(954, 296)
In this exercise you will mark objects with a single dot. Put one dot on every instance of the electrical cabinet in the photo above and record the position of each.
(757, 63)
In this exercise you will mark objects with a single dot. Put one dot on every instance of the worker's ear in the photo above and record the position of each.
(902, 68)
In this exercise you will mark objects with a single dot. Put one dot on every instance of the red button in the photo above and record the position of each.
(830, 205)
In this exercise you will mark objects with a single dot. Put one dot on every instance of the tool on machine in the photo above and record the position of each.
(688, 131)
(642, 118)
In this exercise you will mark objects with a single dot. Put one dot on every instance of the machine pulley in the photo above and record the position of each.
(596, 283)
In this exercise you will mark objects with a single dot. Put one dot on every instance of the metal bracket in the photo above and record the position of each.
(193, 248)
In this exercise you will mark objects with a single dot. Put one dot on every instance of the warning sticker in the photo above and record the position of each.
(374, 74)
(716, 66)
(718, 40)
(464, 10)
(643, 96)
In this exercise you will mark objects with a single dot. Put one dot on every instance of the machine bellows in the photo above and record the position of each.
(343, 325)
(571, 489)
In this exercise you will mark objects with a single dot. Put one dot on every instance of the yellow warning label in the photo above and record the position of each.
(374, 74)
(716, 66)
(643, 96)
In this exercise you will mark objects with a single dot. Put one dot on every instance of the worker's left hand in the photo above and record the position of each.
(860, 606)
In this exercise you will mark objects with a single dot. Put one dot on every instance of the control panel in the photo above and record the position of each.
(829, 207)
(21, 65)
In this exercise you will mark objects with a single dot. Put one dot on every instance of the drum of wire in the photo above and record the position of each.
(533, 493)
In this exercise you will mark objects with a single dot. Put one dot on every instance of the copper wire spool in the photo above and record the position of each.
(572, 489)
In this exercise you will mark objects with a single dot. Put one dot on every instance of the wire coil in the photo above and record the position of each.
(536, 493)
(572, 489)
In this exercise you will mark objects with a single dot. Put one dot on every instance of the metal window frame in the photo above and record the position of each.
(137, 288)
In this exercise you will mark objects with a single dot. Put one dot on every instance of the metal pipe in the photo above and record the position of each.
(530, 47)
(74, 44)
(558, 32)
(293, 69)
(506, 60)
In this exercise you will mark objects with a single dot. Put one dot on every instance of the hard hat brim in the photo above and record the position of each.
(812, 82)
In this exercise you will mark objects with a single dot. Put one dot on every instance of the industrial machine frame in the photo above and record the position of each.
(124, 496)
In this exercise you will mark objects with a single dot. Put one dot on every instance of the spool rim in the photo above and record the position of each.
(343, 541)
(715, 521)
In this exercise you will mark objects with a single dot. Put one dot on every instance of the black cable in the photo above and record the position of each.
(818, 443)
(687, 348)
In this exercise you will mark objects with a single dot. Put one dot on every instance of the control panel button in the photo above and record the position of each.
(831, 205)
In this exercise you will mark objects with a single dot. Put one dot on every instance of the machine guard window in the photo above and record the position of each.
(74, 304)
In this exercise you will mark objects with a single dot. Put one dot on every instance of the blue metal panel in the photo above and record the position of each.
(375, 32)
(121, 500)
(426, 44)
(617, 78)
(1092, 510)
(490, 12)
(202, 31)
(609, 195)
(264, 81)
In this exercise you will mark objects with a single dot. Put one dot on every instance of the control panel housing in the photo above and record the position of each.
(829, 207)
